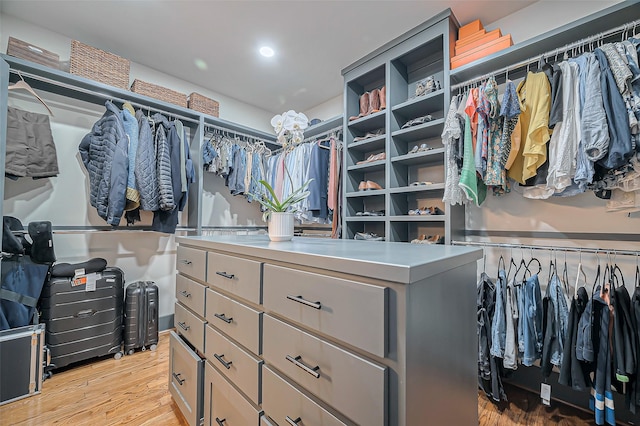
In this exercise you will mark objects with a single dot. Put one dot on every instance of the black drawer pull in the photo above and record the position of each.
(293, 422)
(186, 262)
(227, 364)
(304, 301)
(185, 293)
(178, 379)
(223, 318)
(224, 274)
(311, 370)
(220, 422)
(184, 326)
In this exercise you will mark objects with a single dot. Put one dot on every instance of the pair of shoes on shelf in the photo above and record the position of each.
(367, 236)
(423, 147)
(374, 157)
(417, 121)
(435, 211)
(371, 102)
(368, 135)
(371, 213)
(427, 85)
(368, 185)
(421, 183)
(432, 239)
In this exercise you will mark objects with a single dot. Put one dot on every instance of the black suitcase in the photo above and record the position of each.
(82, 323)
(141, 316)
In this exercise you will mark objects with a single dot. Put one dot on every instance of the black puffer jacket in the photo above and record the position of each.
(146, 172)
(164, 129)
(104, 152)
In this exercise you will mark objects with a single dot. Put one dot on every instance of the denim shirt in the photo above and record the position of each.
(499, 324)
(557, 296)
(532, 321)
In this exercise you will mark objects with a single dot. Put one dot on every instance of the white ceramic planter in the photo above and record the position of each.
(281, 226)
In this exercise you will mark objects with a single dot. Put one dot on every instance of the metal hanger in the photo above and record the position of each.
(22, 84)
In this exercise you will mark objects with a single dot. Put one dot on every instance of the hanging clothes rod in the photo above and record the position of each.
(325, 133)
(615, 252)
(212, 128)
(100, 95)
(587, 40)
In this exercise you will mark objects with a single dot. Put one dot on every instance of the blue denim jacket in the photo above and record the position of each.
(499, 322)
(532, 321)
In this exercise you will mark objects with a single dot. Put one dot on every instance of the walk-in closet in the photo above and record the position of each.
(320, 213)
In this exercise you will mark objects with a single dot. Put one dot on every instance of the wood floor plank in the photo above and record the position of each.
(134, 391)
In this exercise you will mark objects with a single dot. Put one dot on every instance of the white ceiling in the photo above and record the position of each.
(314, 40)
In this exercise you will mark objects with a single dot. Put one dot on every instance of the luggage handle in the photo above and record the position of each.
(86, 313)
(224, 274)
(178, 379)
(227, 364)
(223, 318)
(184, 326)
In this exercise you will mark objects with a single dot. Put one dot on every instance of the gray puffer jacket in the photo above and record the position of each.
(163, 130)
(146, 173)
(104, 152)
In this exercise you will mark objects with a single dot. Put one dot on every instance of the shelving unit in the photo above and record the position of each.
(58, 82)
(399, 66)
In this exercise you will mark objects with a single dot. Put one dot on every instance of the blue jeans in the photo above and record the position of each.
(532, 318)
(499, 323)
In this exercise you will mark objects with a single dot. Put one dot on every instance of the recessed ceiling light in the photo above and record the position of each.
(266, 51)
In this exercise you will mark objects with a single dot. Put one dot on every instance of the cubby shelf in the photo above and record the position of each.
(400, 66)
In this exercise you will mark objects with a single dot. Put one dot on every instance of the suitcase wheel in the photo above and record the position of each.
(117, 355)
(131, 351)
(153, 347)
(144, 348)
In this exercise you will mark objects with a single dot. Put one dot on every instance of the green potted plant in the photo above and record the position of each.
(279, 214)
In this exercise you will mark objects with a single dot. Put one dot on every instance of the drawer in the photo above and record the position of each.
(238, 321)
(284, 404)
(190, 326)
(351, 384)
(191, 294)
(239, 366)
(238, 276)
(224, 405)
(185, 379)
(346, 310)
(192, 262)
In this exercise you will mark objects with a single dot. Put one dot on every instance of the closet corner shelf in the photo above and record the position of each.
(369, 122)
(423, 157)
(368, 193)
(417, 188)
(418, 218)
(427, 130)
(369, 167)
(420, 105)
(69, 85)
(601, 21)
(370, 144)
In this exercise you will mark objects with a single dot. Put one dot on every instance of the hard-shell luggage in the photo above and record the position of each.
(83, 316)
(141, 316)
(21, 362)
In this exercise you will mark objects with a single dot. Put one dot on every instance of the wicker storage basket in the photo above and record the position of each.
(95, 64)
(159, 92)
(22, 49)
(203, 104)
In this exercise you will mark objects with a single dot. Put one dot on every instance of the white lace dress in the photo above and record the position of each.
(452, 132)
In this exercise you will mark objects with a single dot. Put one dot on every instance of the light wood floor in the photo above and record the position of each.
(133, 391)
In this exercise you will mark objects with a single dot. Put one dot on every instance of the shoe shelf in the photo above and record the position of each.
(418, 218)
(420, 157)
(412, 68)
(365, 219)
(367, 193)
(369, 167)
(417, 188)
(420, 105)
(369, 122)
(427, 130)
(370, 144)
